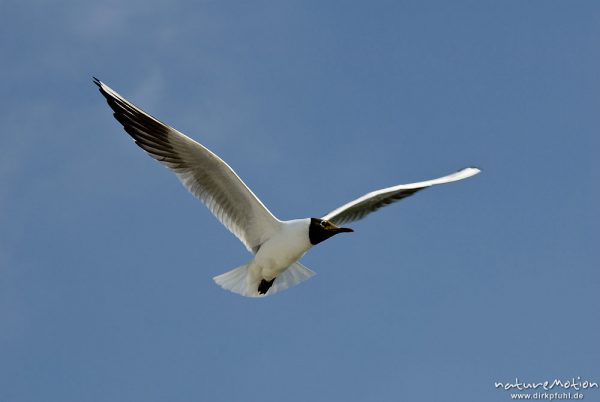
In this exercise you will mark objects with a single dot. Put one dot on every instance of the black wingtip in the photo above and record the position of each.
(97, 81)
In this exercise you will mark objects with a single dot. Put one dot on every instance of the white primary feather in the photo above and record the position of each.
(371, 202)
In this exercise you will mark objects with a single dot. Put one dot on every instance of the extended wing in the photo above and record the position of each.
(202, 172)
(371, 202)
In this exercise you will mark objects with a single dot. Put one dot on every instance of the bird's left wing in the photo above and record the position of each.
(371, 202)
(202, 172)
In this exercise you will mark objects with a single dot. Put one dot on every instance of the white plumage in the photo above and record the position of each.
(277, 245)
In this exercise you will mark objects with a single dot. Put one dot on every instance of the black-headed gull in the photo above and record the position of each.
(276, 245)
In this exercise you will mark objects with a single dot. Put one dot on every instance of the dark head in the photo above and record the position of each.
(320, 230)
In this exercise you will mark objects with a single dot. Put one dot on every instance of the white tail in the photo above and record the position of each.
(240, 280)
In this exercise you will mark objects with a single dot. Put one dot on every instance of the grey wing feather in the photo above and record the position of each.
(202, 172)
(371, 202)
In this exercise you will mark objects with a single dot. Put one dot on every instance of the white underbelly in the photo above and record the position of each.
(282, 250)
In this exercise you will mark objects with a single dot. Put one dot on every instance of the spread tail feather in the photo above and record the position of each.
(234, 280)
(240, 280)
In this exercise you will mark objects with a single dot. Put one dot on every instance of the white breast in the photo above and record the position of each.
(283, 248)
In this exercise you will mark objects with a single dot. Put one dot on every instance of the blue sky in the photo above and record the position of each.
(106, 261)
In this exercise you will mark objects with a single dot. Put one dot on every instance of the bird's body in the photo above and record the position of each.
(285, 247)
(277, 258)
(276, 245)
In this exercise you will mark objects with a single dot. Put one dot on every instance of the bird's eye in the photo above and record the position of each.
(323, 224)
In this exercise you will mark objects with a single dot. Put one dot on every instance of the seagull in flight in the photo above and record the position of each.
(276, 245)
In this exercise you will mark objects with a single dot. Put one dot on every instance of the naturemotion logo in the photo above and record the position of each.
(537, 390)
(573, 383)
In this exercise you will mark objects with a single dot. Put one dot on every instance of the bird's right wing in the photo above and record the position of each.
(371, 202)
(202, 172)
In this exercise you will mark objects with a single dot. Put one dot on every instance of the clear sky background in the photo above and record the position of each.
(106, 261)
